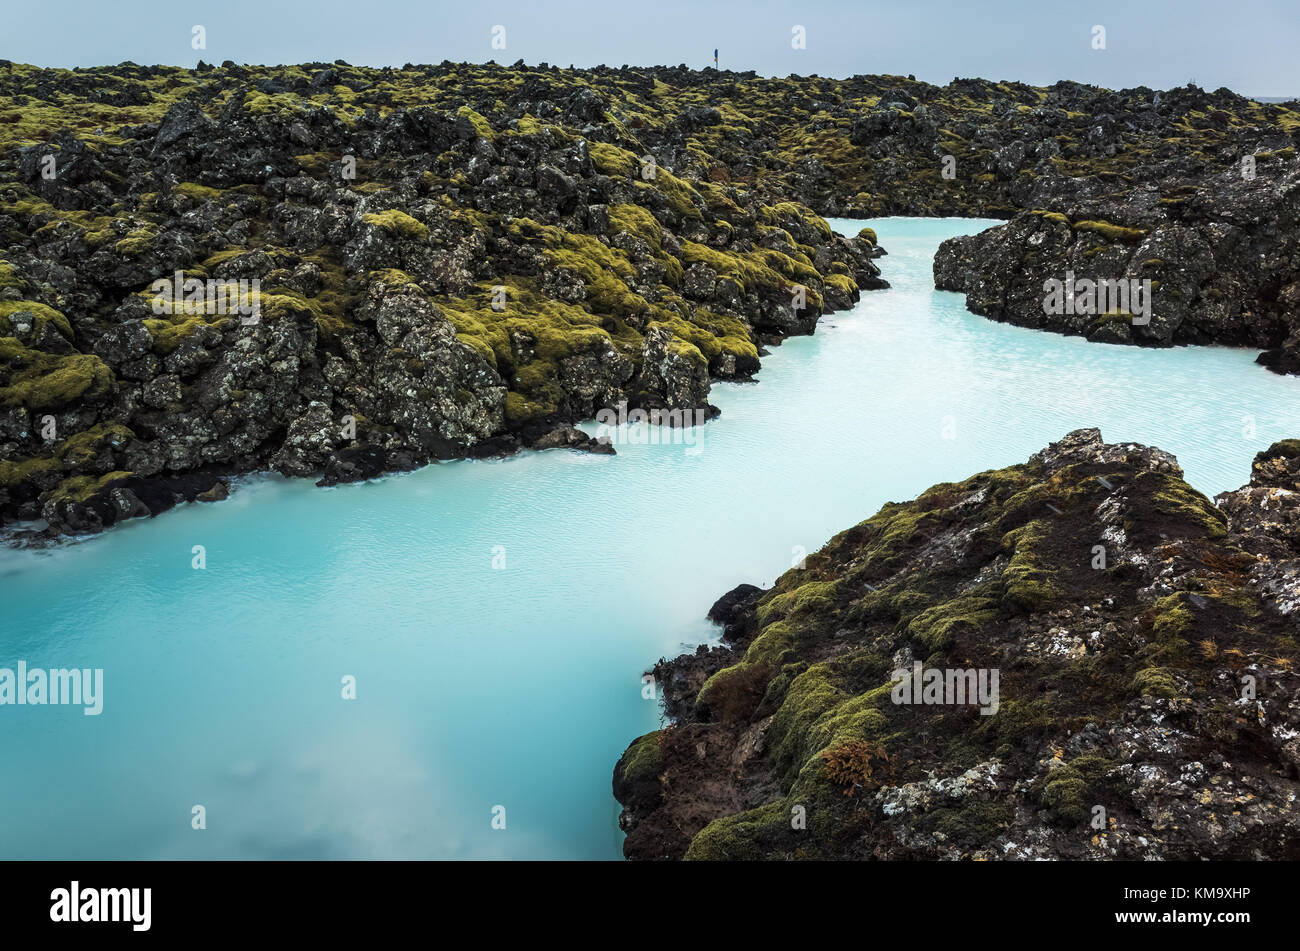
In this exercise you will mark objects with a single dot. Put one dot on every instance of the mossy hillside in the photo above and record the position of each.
(610, 311)
(330, 305)
(807, 118)
(640, 106)
(612, 284)
(1021, 558)
(725, 170)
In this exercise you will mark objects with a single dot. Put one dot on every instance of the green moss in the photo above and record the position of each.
(1053, 216)
(137, 242)
(1113, 233)
(843, 282)
(1155, 682)
(745, 836)
(748, 269)
(816, 713)
(15, 472)
(41, 312)
(1018, 721)
(220, 257)
(772, 214)
(936, 628)
(82, 488)
(398, 223)
(683, 199)
(773, 641)
(168, 334)
(81, 449)
(526, 124)
(1028, 584)
(390, 276)
(197, 192)
(814, 596)
(644, 759)
(9, 277)
(41, 380)
(520, 410)
(1172, 617)
(1176, 499)
(481, 126)
(605, 271)
(560, 330)
(614, 161)
(638, 221)
(712, 335)
(284, 106)
(973, 825)
(1066, 792)
(1172, 625)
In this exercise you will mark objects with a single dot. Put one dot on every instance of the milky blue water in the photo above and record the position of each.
(519, 686)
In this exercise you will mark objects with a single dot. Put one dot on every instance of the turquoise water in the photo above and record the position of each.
(520, 686)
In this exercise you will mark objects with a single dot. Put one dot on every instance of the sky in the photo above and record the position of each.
(1249, 46)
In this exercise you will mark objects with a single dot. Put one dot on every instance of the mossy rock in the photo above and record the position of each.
(84, 487)
(481, 126)
(136, 242)
(40, 381)
(644, 759)
(398, 223)
(1111, 232)
(42, 312)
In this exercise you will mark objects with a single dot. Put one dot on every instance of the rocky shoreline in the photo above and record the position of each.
(452, 261)
(1145, 638)
(417, 280)
(455, 260)
(1211, 261)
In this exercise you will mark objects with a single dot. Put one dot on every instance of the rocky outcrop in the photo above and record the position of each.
(1190, 261)
(298, 271)
(1143, 641)
(459, 260)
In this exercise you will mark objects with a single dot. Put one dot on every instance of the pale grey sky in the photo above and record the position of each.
(1247, 45)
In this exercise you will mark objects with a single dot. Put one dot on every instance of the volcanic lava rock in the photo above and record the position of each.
(1203, 260)
(1144, 642)
(307, 276)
